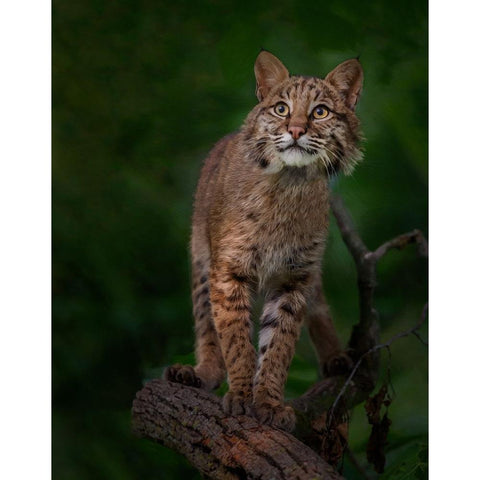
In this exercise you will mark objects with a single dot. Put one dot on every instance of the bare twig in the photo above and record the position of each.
(416, 334)
(349, 233)
(366, 333)
(374, 349)
(400, 242)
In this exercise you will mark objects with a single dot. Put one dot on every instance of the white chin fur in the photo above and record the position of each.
(296, 158)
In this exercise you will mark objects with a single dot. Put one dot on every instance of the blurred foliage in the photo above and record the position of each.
(141, 91)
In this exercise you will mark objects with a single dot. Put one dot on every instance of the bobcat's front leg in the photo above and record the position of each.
(279, 331)
(230, 299)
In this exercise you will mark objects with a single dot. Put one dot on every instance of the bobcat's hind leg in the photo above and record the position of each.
(209, 371)
(333, 359)
(210, 366)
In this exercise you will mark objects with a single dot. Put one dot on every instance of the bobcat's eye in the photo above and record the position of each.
(281, 109)
(320, 112)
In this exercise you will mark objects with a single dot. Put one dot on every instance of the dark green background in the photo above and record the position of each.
(141, 91)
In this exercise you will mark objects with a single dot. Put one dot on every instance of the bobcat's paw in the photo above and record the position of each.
(235, 404)
(184, 374)
(280, 416)
(339, 364)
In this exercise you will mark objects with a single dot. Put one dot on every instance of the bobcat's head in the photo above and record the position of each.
(305, 121)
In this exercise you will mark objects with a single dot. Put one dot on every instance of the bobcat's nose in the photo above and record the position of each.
(296, 132)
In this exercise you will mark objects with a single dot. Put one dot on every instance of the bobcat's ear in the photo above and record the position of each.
(347, 78)
(269, 71)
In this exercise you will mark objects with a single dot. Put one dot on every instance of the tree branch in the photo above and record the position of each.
(400, 242)
(365, 334)
(192, 422)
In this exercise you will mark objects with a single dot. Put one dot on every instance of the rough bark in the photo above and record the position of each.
(192, 422)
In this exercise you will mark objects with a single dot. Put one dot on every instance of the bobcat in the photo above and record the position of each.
(260, 226)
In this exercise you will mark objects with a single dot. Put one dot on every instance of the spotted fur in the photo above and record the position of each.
(259, 227)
